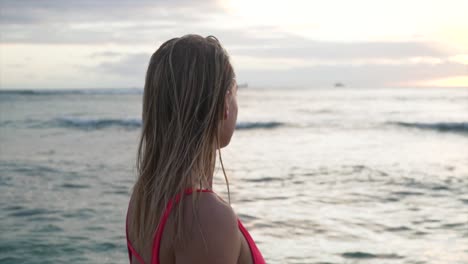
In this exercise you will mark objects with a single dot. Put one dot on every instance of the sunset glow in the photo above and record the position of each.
(303, 43)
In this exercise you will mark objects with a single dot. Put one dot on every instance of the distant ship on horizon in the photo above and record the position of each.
(339, 84)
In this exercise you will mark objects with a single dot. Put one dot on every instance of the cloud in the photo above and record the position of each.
(105, 54)
(366, 75)
(98, 22)
(307, 49)
(127, 65)
(263, 54)
(67, 11)
(153, 21)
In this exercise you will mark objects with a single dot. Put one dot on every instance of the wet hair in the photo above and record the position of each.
(183, 103)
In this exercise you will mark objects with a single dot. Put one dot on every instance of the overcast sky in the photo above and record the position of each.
(294, 43)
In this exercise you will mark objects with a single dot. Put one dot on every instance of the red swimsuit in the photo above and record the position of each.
(256, 255)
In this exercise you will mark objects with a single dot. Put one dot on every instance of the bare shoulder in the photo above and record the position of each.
(212, 210)
(215, 236)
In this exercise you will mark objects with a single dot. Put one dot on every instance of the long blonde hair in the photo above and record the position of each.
(183, 101)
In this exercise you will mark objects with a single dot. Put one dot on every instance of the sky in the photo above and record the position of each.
(296, 43)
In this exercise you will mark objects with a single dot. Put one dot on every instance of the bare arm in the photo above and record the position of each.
(215, 236)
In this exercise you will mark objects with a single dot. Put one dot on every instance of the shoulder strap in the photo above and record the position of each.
(162, 223)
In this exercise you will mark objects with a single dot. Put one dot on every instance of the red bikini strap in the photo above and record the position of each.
(162, 223)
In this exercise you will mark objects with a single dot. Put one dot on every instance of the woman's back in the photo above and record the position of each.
(216, 235)
(189, 114)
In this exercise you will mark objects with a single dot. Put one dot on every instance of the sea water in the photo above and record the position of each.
(316, 175)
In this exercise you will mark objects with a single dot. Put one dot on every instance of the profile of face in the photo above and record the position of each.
(228, 124)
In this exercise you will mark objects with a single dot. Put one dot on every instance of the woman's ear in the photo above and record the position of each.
(226, 111)
(226, 105)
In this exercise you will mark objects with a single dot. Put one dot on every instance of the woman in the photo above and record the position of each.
(189, 113)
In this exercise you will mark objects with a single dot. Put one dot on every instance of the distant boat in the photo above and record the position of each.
(338, 84)
(243, 85)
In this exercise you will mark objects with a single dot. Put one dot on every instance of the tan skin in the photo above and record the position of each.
(218, 240)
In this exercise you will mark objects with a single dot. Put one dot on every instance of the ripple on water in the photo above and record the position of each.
(440, 188)
(22, 212)
(119, 190)
(8, 260)
(82, 213)
(264, 179)
(366, 255)
(103, 246)
(94, 228)
(37, 250)
(247, 217)
(49, 219)
(275, 198)
(459, 225)
(27, 169)
(427, 220)
(407, 193)
(398, 229)
(75, 186)
(13, 208)
(50, 228)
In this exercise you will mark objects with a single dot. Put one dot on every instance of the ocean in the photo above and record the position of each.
(333, 175)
